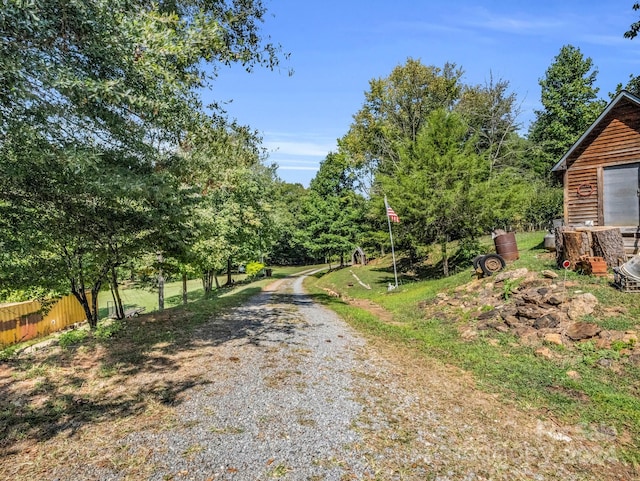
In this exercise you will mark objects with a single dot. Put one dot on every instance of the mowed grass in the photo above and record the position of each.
(598, 398)
(135, 296)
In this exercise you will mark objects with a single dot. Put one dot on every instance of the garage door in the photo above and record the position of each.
(622, 195)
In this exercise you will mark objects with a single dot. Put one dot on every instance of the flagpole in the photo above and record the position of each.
(393, 252)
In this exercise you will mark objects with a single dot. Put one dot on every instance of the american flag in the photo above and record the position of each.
(393, 217)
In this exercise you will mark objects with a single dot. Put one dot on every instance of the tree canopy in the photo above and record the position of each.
(570, 105)
(97, 106)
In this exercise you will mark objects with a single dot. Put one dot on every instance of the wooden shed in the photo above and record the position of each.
(602, 172)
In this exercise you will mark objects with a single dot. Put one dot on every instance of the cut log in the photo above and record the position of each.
(609, 245)
(560, 245)
(574, 246)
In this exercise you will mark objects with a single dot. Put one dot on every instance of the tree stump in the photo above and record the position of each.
(608, 244)
(575, 244)
(559, 245)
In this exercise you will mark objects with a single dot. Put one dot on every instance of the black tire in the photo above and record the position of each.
(476, 262)
(491, 263)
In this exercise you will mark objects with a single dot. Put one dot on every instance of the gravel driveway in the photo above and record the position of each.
(281, 406)
(293, 393)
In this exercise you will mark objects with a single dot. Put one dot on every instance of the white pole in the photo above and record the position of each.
(393, 252)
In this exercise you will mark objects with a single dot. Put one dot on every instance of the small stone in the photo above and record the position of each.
(527, 335)
(555, 300)
(508, 311)
(512, 321)
(553, 338)
(549, 274)
(582, 305)
(573, 374)
(607, 430)
(531, 311)
(500, 327)
(516, 274)
(602, 343)
(544, 352)
(488, 314)
(545, 322)
(605, 362)
(634, 359)
(469, 334)
(532, 296)
(582, 330)
(493, 342)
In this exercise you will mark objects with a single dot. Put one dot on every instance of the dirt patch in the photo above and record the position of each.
(375, 309)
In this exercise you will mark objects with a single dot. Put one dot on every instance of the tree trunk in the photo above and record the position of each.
(215, 278)
(445, 258)
(229, 280)
(608, 243)
(207, 280)
(559, 246)
(160, 284)
(184, 288)
(115, 293)
(94, 305)
(84, 302)
(341, 259)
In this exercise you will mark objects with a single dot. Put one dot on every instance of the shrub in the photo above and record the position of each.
(254, 268)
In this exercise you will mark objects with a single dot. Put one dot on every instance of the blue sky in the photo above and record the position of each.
(337, 47)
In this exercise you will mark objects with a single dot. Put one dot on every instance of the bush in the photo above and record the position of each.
(468, 248)
(254, 268)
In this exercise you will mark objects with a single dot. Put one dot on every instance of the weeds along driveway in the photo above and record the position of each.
(281, 388)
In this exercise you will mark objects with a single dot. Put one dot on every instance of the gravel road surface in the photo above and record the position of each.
(279, 405)
(293, 393)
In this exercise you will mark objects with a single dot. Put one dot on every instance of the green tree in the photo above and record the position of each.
(394, 111)
(439, 183)
(491, 112)
(632, 86)
(96, 98)
(570, 104)
(291, 245)
(635, 26)
(333, 210)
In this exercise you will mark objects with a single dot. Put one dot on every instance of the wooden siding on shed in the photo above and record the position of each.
(582, 208)
(616, 141)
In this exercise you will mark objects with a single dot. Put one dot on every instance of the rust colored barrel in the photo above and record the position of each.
(506, 246)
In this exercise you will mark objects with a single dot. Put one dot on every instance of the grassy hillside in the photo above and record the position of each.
(587, 383)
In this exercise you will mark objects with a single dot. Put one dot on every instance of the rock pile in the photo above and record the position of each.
(536, 309)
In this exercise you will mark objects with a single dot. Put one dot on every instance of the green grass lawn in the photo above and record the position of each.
(498, 362)
(137, 297)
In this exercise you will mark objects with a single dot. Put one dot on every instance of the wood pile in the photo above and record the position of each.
(578, 244)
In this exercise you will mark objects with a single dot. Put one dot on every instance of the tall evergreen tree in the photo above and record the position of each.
(439, 184)
(570, 104)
